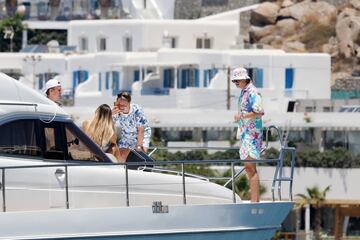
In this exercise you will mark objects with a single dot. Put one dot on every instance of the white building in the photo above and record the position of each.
(179, 66)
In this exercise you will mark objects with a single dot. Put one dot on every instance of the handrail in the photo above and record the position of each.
(3, 189)
(163, 170)
(192, 148)
(267, 136)
(278, 176)
(235, 177)
(19, 104)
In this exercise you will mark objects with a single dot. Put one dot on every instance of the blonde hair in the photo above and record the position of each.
(101, 128)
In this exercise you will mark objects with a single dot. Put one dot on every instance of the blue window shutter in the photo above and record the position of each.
(107, 80)
(75, 79)
(289, 78)
(41, 81)
(115, 82)
(206, 77)
(136, 75)
(86, 75)
(197, 80)
(167, 76)
(100, 85)
(259, 78)
(183, 78)
(214, 72)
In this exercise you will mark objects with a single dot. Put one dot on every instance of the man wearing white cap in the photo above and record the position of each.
(53, 90)
(249, 121)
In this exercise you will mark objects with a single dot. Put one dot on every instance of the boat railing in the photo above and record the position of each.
(278, 178)
(20, 104)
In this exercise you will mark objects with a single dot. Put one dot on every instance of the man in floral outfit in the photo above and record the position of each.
(249, 121)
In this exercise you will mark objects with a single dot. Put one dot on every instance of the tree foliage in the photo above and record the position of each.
(242, 187)
(16, 24)
(333, 158)
(44, 36)
(315, 197)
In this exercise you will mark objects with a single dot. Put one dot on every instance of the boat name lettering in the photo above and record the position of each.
(257, 211)
(157, 207)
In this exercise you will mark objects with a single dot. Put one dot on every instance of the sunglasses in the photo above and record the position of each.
(235, 81)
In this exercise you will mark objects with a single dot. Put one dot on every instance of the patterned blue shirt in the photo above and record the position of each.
(129, 123)
(250, 129)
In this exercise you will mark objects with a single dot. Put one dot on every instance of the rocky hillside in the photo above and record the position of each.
(311, 26)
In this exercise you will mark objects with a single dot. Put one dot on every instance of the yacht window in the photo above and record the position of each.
(54, 146)
(77, 149)
(19, 138)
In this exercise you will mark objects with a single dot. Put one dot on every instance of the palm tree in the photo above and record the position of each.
(315, 197)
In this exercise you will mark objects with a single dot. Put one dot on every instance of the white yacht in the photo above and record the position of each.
(56, 183)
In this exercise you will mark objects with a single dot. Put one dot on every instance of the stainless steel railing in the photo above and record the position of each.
(277, 180)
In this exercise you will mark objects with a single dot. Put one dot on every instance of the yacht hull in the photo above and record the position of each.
(217, 221)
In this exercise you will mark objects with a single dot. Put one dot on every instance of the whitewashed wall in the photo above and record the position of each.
(148, 34)
(343, 182)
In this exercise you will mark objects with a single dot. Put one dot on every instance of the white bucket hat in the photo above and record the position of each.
(51, 84)
(239, 73)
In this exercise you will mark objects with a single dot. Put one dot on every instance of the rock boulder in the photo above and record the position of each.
(264, 14)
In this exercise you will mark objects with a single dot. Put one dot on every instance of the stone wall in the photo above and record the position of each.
(190, 9)
(347, 84)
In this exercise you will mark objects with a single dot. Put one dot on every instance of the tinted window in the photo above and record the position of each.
(54, 141)
(78, 149)
(19, 138)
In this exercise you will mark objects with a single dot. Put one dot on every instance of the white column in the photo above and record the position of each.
(141, 74)
(307, 222)
(24, 38)
(201, 77)
(345, 226)
(175, 77)
(145, 73)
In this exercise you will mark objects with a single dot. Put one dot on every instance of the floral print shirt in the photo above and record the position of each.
(250, 129)
(128, 125)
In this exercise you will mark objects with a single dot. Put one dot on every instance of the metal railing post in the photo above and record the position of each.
(233, 181)
(127, 185)
(3, 189)
(183, 182)
(67, 187)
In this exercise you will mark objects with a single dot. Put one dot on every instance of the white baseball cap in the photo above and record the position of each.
(239, 73)
(51, 84)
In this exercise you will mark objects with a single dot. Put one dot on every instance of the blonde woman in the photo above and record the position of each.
(102, 131)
